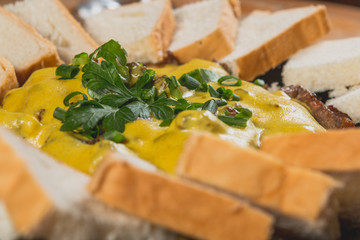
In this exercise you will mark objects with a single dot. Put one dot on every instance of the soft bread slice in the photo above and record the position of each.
(7, 77)
(45, 199)
(329, 65)
(55, 23)
(184, 207)
(334, 152)
(143, 29)
(264, 39)
(235, 4)
(349, 102)
(7, 229)
(300, 198)
(199, 34)
(24, 47)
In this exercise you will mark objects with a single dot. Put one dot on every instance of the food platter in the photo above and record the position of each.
(104, 92)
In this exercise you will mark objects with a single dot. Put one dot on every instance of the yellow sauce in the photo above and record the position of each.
(29, 112)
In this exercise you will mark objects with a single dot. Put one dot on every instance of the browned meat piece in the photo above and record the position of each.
(328, 116)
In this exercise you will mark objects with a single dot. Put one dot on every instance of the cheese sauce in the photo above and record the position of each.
(29, 112)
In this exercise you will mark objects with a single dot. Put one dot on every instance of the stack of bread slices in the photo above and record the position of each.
(288, 188)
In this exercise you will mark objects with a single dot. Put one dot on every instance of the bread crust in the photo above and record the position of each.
(338, 151)
(49, 59)
(163, 31)
(177, 205)
(9, 81)
(235, 4)
(278, 49)
(217, 44)
(272, 185)
(76, 24)
(26, 202)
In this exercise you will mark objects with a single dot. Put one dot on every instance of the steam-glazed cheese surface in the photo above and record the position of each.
(29, 112)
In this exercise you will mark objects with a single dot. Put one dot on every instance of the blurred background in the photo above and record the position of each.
(74, 4)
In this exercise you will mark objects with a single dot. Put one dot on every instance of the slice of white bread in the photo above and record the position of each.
(55, 23)
(143, 29)
(265, 39)
(46, 199)
(176, 204)
(7, 229)
(328, 65)
(235, 4)
(349, 102)
(7, 77)
(204, 29)
(26, 49)
(335, 152)
(301, 199)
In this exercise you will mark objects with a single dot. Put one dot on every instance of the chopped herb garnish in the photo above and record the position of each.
(67, 71)
(119, 92)
(213, 92)
(80, 59)
(166, 122)
(239, 120)
(229, 80)
(233, 121)
(259, 82)
(211, 106)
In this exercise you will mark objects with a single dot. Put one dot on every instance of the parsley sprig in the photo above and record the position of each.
(122, 92)
(113, 103)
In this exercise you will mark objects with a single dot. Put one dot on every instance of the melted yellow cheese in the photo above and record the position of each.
(29, 112)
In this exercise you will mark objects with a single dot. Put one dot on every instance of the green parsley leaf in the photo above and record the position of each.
(67, 71)
(174, 87)
(114, 136)
(140, 109)
(161, 110)
(117, 119)
(112, 52)
(166, 122)
(114, 100)
(80, 59)
(104, 76)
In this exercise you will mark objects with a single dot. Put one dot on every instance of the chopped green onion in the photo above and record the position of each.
(233, 121)
(197, 105)
(229, 80)
(59, 114)
(211, 106)
(71, 95)
(259, 82)
(203, 87)
(227, 94)
(235, 97)
(213, 92)
(221, 102)
(189, 82)
(243, 113)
